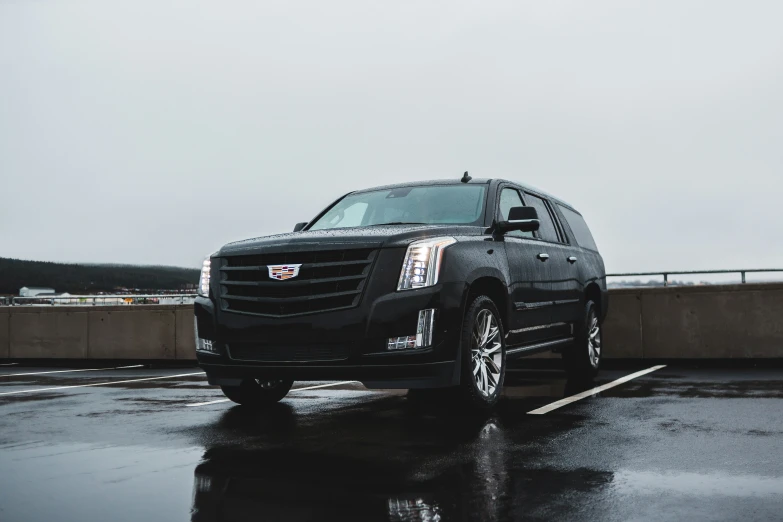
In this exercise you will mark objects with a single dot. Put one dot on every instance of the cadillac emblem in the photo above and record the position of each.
(283, 272)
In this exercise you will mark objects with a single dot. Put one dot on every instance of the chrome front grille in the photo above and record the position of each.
(328, 280)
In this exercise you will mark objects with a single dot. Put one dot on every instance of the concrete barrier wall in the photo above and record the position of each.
(40, 333)
(5, 338)
(184, 333)
(699, 322)
(696, 322)
(150, 332)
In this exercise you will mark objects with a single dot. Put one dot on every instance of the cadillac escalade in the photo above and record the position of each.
(428, 284)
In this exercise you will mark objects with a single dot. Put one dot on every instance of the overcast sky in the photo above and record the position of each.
(154, 132)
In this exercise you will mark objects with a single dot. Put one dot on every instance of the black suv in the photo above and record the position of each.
(420, 285)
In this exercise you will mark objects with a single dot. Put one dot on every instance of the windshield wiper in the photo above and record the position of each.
(397, 223)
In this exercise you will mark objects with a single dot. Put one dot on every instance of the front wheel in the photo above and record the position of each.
(483, 355)
(257, 393)
(583, 358)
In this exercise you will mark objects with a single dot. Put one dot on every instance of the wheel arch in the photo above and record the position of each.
(593, 293)
(493, 286)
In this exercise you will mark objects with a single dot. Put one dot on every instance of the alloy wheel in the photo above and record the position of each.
(594, 341)
(486, 352)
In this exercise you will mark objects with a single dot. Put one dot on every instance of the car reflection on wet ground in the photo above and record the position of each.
(129, 444)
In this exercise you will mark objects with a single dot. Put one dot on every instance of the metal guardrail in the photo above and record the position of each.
(699, 272)
(98, 300)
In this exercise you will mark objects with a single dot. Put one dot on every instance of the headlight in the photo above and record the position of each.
(203, 283)
(422, 263)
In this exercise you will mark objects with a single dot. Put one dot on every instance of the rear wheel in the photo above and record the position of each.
(583, 358)
(483, 355)
(257, 393)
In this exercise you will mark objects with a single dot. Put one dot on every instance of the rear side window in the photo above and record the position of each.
(547, 230)
(579, 228)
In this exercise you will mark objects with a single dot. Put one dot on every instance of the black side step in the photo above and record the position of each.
(521, 351)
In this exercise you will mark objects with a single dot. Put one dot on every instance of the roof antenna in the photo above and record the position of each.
(465, 177)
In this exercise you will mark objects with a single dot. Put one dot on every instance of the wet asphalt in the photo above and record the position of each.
(675, 444)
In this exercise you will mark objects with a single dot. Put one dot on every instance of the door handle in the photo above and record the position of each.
(572, 260)
(543, 257)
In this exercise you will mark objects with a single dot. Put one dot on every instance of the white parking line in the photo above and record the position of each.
(67, 371)
(57, 388)
(293, 390)
(9, 364)
(593, 391)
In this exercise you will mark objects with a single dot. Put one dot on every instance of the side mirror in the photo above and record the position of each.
(520, 218)
(299, 226)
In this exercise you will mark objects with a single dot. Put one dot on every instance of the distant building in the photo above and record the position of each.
(32, 291)
(61, 296)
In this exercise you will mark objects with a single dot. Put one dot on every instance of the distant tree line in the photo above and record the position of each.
(78, 279)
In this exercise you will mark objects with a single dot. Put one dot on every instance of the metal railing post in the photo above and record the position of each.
(743, 277)
(665, 279)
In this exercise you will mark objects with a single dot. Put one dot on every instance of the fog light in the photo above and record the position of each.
(203, 345)
(401, 343)
(423, 335)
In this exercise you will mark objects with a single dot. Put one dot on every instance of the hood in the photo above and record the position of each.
(357, 237)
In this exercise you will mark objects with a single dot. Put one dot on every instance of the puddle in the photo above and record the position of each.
(627, 482)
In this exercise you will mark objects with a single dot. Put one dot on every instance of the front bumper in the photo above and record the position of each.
(361, 334)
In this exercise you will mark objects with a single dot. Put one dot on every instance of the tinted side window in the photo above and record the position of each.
(547, 231)
(579, 228)
(509, 198)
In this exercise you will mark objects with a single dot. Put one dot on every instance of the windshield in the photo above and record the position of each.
(431, 204)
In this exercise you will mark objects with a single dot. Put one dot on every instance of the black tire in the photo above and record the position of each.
(256, 393)
(481, 391)
(582, 360)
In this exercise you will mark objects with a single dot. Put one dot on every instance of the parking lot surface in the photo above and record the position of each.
(150, 444)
